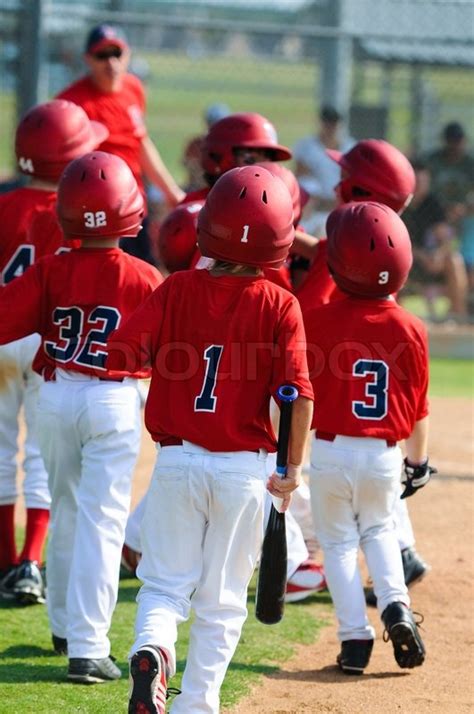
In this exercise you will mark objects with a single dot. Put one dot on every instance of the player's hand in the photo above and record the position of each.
(283, 487)
(416, 476)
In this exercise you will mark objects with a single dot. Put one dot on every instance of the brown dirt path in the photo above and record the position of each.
(443, 520)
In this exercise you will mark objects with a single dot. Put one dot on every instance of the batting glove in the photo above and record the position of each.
(416, 476)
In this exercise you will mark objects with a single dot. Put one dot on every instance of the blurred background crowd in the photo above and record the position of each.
(327, 73)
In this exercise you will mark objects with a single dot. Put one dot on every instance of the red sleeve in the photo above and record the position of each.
(21, 306)
(134, 345)
(292, 367)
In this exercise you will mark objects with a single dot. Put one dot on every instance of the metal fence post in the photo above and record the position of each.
(29, 55)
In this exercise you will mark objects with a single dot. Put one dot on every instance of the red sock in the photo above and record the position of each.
(8, 554)
(37, 520)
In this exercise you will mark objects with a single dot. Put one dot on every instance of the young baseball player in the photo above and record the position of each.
(370, 380)
(220, 342)
(47, 138)
(88, 417)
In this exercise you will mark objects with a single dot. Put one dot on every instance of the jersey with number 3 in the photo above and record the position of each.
(220, 347)
(368, 362)
(29, 230)
(75, 300)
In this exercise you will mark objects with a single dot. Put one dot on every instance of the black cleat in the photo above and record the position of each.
(29, 586)
(402, 630)
(92, 671)
(59, 645)
(7, 582)
(354, 656)
(414, 569)
(148, 674)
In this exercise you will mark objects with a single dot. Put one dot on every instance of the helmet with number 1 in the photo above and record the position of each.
(374, 170)
(369, 249)
(247, 219)
(98, 197)
(177, 240)
(239, 131)
(51, 135)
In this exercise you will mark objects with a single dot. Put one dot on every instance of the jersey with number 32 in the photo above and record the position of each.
(220, 347)
(368, 362)
(75, 300)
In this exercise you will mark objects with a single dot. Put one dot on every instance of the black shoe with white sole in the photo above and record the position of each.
(354, 656)
(29, 586)
(402, 630)
(92, 671)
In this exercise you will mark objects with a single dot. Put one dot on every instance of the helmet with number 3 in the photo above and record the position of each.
(247, 219)
(239, 131)
(374, 170)
(98, 197)
(369, 249)
(51, 135)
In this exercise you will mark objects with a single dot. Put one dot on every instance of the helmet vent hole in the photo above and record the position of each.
(376, 220)
(372, 244)
(83, 176)
(102, 175)
(264, 197)
(390, 242)
(243, 192)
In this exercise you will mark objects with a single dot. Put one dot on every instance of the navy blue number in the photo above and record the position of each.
(70, 320)
(376, 405)
(206, 402)
(107, 320)
(21, 259)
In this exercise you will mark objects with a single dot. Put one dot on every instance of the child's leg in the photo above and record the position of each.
(231, 547)
(109, 425)
(378, 487)
(60, 449)
(333, 472)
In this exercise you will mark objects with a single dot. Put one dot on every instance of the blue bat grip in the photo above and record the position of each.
(287, 393)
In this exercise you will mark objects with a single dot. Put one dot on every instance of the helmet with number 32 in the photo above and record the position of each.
(369, 249)
(98, 197)
(247, 219)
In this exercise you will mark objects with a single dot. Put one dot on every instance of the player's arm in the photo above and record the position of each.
(21, 306)
(157, 173)
(135, 344)
(417, 443)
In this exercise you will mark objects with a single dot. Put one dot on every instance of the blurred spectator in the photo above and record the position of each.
(437, 266)
(316, 172)
(466, 240)
(192, 151)
(452, 170)
(109, 94)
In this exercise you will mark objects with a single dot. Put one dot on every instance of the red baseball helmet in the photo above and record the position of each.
(177, 240)
(98, 197)
(245, 130)
(51, 135)
(290, 181)
(369, 249)
(247, 219)
(375, 171)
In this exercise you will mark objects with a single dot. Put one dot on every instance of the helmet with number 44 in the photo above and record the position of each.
(98, 197)
(247, 219)
(369, 249)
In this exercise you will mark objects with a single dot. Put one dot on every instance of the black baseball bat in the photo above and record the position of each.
(271, 584)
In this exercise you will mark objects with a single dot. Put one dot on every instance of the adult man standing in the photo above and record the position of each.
(111, 95)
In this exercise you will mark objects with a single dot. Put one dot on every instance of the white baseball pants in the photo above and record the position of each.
(19, 386)
(354, 484)
(89, 437)
(201, 535)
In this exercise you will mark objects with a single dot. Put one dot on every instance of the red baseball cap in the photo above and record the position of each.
(103, 36)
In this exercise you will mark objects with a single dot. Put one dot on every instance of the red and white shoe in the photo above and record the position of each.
(129, 562)
(307, 580)
(148, 680)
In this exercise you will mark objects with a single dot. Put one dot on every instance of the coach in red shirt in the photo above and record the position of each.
(111, 95)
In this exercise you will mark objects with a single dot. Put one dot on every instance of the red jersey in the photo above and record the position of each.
(74, 300)
(318, 288)
(219, 348)
(368, 362)
(29, 230)
(122, 112)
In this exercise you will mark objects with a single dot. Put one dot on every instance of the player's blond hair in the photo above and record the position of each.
(223, 266)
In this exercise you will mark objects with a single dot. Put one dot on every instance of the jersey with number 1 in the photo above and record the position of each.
(74, 301)
(368, 363)
(220, 347)
(29, 230)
